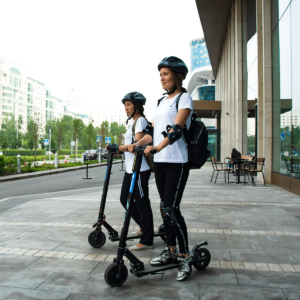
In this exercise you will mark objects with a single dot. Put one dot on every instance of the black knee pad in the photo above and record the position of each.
(169, 216)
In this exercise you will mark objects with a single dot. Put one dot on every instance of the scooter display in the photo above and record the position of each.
(117, 273)
(97, 238)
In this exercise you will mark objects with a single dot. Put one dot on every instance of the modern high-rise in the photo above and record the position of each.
(23, 96)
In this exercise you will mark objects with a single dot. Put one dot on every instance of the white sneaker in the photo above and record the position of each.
(164, 258)
(185, 267)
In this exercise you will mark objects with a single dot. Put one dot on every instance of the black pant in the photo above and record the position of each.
(171, 179)
(141, 212)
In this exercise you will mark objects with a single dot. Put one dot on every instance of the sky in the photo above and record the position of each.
(103, 49)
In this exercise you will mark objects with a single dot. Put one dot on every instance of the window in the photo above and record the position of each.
(30, 87)
(30, 99)
(5, 88)
(10, 80)
(20, 83)
(15, 94)
(6, 107)
(6, 101)
(6, 114)
(15, 71)
(7, 95)
(16, 82)
(21, 98)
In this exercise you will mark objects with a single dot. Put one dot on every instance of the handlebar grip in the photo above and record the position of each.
(153, 151)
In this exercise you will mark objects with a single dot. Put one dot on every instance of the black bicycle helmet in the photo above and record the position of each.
(134, 97)
(175, 64)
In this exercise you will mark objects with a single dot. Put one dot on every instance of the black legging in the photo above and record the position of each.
(141, 212)
(171, 179)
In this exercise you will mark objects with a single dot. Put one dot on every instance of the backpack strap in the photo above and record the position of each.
(133, 130)
(159, 100)
(184, 129)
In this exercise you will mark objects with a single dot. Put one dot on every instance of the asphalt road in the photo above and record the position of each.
(60, 182)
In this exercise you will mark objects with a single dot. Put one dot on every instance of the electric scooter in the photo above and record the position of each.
(117, 273)
(97, 238)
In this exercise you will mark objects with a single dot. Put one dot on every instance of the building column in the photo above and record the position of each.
(276, 90)
(241, 107)
(264, 59)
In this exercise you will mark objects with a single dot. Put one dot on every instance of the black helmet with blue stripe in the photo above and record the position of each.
(174, 64)
(134, 97)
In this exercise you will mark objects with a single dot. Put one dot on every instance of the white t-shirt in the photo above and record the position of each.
(141, 124)
(165, 115)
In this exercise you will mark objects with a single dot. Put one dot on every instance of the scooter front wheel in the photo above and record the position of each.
(161, 229)
(115, 277)
(97, 239)
(203, 254)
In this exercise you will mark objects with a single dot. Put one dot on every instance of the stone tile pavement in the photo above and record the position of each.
(253, 234)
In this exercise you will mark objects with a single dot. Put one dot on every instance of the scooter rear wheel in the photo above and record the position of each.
(203, 253)
(111, 272)
(161, 229)
(97, 239)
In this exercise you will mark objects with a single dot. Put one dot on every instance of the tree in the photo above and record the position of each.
(30, 145)
(120, 138)
(33, 129)
(114, 128)
(104, 129)
(77, 126)
(4, 143)
(41, 142)
(9, 125)
(90, 134)
(59, 132)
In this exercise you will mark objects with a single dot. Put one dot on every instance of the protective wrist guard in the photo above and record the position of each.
(113, 147)
(148, 130)
(176, 134)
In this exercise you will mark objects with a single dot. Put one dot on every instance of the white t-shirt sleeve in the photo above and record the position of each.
(140, 125)
(185, 102)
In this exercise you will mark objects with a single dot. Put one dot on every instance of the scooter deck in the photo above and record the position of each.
(133, 237)
(148, 269)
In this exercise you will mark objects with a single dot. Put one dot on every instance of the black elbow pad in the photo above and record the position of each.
(148, 130)
(176, 134)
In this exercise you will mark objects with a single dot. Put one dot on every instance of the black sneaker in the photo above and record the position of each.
(185, 267)
(164, 258)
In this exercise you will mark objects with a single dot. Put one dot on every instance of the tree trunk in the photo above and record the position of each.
(35, 152)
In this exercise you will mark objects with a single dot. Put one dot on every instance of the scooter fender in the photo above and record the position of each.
(199, 245)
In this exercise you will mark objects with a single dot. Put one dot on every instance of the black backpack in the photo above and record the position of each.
(197, 140)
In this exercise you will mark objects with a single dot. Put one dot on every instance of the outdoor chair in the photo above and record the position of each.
(288, 166)
(294, 167)
(248, 166)
(257, 167)
(217, 169)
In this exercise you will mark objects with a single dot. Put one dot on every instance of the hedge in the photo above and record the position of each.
(14, 152)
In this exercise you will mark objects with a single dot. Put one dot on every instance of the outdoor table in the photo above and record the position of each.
(238, 162)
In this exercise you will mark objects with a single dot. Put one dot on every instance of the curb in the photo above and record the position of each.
(51, 172)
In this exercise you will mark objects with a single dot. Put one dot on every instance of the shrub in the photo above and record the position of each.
(27, 152)
(1, 164)
(73, 155)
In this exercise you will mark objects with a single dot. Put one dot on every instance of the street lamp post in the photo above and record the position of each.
(50, 144)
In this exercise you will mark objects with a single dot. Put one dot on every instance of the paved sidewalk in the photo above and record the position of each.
(253, 234)
(50, 172)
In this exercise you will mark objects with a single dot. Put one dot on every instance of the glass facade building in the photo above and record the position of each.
(286, 88)
(199, 54)
(207, 92)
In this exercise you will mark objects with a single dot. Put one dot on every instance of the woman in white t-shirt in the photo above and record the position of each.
(142, 212)
(171, 161)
